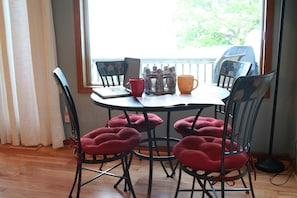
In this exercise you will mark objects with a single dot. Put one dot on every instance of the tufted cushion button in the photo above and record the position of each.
(137, 121)
(110, 141)
(204, 153)
(204, 126)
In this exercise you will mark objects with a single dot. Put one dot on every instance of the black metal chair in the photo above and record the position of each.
(99, 146)
(213, 126)
(244, 53)
(212, 160)
(113, 73)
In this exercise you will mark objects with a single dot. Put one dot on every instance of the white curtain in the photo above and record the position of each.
(29, 100)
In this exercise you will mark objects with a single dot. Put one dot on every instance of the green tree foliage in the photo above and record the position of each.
(205, 23)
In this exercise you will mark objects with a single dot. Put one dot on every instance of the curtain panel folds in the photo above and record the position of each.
(29, 99)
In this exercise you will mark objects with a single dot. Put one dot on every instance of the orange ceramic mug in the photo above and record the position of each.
(186, 83)
(137, 86)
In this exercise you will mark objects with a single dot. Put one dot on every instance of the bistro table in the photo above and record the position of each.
(202, 97)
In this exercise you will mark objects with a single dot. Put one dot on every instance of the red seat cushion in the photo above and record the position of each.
(204, 126)
(137, 121)
(110, 141)
(204, 153)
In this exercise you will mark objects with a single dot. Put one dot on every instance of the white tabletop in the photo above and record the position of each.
(203, 96)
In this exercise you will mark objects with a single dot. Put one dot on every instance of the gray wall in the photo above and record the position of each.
(92, 116)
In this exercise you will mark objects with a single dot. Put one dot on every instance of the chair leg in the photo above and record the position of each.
(124, 177)
(222, 189)
(158, 152)
(250, 181)
(179, 180)
(76, 181)
(126, 166)
(204, 187)
(126, 163)
(79, 180)
(243, 183)
(193, 187)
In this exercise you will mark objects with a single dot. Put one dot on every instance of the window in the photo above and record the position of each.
(91, 39)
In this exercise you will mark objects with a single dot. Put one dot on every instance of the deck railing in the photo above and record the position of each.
(201, 68)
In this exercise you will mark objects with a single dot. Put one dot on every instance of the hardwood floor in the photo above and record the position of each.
(48, 173)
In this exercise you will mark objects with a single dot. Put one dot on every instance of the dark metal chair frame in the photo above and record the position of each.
(229, 72)
(113, 73)
(241, 112)
(243, 53)
(124, 158)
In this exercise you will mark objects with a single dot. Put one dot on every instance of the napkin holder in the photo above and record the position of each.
(158, 81)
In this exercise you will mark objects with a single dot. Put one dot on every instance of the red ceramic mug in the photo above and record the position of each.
(137, 86)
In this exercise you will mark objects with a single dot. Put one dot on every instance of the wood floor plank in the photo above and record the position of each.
(48, 173)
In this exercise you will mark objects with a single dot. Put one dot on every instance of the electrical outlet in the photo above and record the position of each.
(66, 116)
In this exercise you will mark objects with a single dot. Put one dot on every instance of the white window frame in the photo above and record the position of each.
(82, 45)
